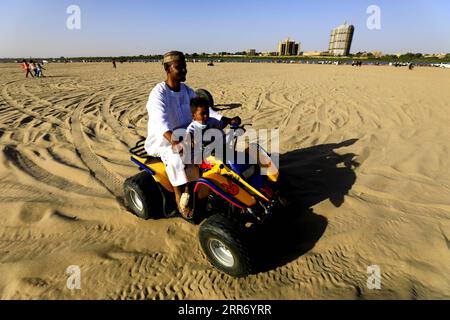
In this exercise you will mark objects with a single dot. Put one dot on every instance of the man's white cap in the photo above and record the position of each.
(173, 56)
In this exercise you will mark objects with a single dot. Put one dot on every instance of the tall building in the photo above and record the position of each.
(289, 48)
(341, 40)
(251, 52)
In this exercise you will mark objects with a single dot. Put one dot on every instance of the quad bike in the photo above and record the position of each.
(228, 200)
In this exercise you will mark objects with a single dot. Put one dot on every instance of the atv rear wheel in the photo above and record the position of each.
(142, 196)
(226, 245)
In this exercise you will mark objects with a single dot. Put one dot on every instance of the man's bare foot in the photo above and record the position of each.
(183, 206)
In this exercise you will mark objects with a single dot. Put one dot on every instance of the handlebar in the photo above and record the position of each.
(237, 126)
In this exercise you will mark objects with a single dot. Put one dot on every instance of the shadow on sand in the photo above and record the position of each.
(307, 177)
(228, 106)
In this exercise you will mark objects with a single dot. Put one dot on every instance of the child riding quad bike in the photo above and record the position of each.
(227, 200)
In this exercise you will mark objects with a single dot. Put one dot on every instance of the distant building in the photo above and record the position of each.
(435, 55)
(288, 48)
(251, 52)
(341, 40)
(269, 54)
(313, 54)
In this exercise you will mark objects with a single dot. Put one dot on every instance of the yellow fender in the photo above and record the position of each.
(159, 171)
(222, 170)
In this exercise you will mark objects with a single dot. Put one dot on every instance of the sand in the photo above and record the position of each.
(364, 154)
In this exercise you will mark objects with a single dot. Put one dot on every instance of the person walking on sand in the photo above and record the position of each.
(38, 71)
(32, 65)
(169, 109)
(26, 68)
(40, 68)
(114, 64)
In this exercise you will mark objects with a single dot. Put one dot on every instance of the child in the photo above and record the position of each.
(200, 117)
(194, 139)
(200, 123)
(39, 69)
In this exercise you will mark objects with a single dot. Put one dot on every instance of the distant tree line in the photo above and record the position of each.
(240, 57)
(118, 58)
(404, 57)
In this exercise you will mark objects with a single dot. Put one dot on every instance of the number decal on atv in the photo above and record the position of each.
(231, 188)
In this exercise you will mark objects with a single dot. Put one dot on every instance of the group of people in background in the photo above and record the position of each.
(357, 63)
(32, 68)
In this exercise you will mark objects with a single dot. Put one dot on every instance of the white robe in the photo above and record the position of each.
(168, 111)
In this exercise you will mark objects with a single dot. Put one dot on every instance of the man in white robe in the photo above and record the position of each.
(168, 109)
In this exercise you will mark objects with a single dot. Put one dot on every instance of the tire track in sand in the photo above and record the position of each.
(19, 107)
(142, 270)
(313, 271)
(110, 180)
(129, 139)
(27, 165)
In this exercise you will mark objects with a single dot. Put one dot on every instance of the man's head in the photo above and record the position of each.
(200, 110)
(175, 65)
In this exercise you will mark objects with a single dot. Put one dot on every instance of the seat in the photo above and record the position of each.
(152, 165)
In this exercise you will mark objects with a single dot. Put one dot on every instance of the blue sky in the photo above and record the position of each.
(113, 27)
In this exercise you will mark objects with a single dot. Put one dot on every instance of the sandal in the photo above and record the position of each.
(183, 207)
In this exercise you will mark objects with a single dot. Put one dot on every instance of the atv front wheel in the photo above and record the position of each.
(226, 245)
(142, 196)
